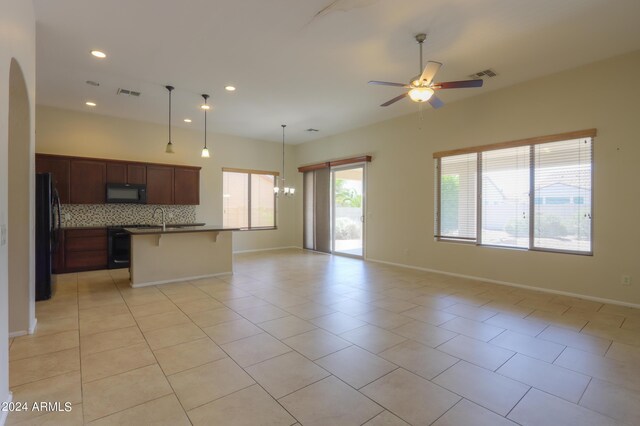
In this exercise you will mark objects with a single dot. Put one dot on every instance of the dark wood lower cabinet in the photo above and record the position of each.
(85, 261)
(84, 250)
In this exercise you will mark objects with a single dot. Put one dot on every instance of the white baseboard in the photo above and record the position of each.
(266, 249)
(19, 333)
(510, 284)
(179, 280)
(5, 414)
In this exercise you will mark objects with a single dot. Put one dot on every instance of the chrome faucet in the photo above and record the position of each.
(164, 224)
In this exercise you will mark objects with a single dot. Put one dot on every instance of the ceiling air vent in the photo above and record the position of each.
(312, 130)
(128, 92)
(486, 73)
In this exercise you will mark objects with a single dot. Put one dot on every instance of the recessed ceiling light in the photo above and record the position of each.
(98, 54)
(89, 103)
(205, 106)
(187, 120)
(230, 88)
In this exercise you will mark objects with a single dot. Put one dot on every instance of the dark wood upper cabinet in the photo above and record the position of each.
(186, 185)
(116, 173)
(88, 178)
(132, 173)
(159, 184)
(82, 180)
(60, 169)
(137, 174)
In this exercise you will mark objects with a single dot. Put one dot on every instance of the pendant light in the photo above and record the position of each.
(282, 189)
(205, 107)
(169, 148)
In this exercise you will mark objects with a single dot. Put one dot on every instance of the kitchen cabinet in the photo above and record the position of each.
(84, 249)
(137, 174)
(60, 168)
(88, 179)
(160, 184)
(116, 172)
(121, 172)
(186, 185)
(82, 180)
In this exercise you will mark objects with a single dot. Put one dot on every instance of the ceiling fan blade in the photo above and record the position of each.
(430, 71)
(458, 84)
(394, 100)
(435, 102)
(387, 83)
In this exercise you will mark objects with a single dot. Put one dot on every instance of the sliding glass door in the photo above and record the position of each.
(347, 184)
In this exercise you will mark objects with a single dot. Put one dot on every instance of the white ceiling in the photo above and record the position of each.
(291, 67)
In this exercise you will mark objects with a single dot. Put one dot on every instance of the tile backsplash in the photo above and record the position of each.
(75, 215)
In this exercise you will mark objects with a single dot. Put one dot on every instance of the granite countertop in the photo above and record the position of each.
(177, 229)
(68, 228)
(128, 224)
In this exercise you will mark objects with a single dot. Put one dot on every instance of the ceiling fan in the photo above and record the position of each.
(422, 88)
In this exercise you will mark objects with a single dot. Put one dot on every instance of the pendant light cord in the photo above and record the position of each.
(205, 97)
(205, 126)
(283, 126)
(170, 89)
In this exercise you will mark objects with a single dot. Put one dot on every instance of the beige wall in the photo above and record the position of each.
(20, 263)
(17, 41)
(603, 95)
(66, 132)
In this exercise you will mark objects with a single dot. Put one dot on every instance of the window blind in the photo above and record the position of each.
(457, 197)
(248, 198)
(235, 197)
(562, 199)
(532, 193)
(505, 197)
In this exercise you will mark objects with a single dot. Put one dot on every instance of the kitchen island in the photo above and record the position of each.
(181, 253)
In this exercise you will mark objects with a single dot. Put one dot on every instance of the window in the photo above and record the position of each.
(505, 197)
(248, 199)
(532, 194)
(458, 197)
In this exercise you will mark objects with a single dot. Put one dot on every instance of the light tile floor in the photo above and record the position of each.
(297, 337)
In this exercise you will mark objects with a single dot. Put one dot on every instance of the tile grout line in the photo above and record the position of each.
(155, 357)
(238, 365)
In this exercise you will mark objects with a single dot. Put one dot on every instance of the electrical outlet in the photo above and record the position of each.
(625, 280)
(3, 234)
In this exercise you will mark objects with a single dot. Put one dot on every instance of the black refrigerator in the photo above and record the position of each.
(47, 233)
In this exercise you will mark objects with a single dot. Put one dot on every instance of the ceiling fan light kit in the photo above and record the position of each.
(421, 94)
(422, 88)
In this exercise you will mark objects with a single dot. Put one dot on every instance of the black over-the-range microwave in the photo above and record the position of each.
(126, 193)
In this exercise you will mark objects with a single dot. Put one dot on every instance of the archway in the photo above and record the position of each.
(20, 194)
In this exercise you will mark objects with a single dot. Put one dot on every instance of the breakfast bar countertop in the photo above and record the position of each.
(178, 229)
